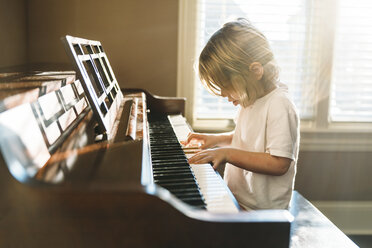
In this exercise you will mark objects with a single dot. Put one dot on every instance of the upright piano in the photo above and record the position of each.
(85, 163)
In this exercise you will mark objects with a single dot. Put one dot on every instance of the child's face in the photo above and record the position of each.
(231, 95)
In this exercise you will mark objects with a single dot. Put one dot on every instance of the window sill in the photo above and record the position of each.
(345, 137)
(213, 125)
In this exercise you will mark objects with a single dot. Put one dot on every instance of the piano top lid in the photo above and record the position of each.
(38, 111)
(17, 88)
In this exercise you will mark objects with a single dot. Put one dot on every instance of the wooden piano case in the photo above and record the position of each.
(63, 184)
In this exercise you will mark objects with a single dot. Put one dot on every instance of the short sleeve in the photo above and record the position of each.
(282, 130)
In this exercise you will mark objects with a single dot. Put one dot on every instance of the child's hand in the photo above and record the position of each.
(216, 157)
(192, 143)
(199, 140)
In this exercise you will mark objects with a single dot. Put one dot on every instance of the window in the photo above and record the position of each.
(323, 48)
(351, 94)
(285, 24)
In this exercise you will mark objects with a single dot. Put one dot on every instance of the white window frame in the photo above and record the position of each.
(316, 135)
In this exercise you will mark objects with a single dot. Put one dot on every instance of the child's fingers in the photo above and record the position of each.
(203, 145)
(193, 159)
(201, 158)
(193, 141)
(191, 136)
(183, 142)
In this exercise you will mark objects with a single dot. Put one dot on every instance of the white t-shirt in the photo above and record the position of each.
(270, 125)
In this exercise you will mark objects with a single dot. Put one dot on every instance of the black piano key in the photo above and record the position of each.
(170, 167)
(169, 171)
(162, 145)
(181, 163)
(169, 160)
(155, 149)
(161, 141)
(174, 171)
(177, 159)
(179, 185)
(162, 153)
(174, 180)
(159, 169)
(195, 201)
(185, 190)
(165, 156)
(165, 177)
(194, 193)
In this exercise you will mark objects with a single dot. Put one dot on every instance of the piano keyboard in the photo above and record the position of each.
(170, 167)
(196, 184)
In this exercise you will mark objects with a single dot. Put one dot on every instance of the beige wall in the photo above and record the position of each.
(13, 32)
(139, 36)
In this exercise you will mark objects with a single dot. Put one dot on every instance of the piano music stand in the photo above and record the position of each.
(98, 79)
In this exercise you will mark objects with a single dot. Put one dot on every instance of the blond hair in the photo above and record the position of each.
(226, 58)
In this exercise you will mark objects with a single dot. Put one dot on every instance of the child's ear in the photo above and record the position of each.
(257, 70)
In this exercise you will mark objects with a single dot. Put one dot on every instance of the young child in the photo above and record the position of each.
(261, 153)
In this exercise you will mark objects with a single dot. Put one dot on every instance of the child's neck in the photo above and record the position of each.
(269, 89)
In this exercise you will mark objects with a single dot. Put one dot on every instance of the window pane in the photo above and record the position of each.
(285, 23)
(351, 98)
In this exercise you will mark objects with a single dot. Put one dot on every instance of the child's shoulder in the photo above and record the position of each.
(280, 93)
(281, 98)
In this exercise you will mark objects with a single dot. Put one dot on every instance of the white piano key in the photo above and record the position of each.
(213, 189)
(180, 126)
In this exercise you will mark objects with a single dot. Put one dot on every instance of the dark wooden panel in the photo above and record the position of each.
(334, 176)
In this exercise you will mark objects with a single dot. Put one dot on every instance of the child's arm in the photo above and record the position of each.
(209, 140)
(258, 162)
